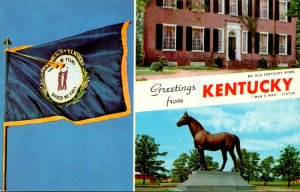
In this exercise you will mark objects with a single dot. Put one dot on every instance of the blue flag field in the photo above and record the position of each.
(82, 79)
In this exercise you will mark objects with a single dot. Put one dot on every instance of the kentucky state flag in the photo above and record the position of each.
(82, 79)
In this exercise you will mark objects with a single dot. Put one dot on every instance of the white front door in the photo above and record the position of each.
(233, 47)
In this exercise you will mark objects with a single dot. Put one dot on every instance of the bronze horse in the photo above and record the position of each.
(204, 140)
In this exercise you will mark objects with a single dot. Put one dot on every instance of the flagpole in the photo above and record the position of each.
(4, 163)
(7, 42)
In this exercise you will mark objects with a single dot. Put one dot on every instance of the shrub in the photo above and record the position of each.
(262, 63)
(296, 66)
(158, 65)
(217, 62)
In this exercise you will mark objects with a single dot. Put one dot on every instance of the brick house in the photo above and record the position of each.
(193, 32)
(140, 177)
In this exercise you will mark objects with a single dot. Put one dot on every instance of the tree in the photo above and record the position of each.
(140, 9)
(298, 40)
(147, 152)
(185, 164)
(181, 168)
(161, 177)
(211, 165)
(194, 163)
(266, 169)
(288, 164)
(294, 10)
(249, 169)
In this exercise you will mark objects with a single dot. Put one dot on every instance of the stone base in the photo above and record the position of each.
(207, 181)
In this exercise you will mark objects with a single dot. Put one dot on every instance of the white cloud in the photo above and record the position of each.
(270, 117)
(261, 145)
(272, 144)
(217, 119)
(291, 139)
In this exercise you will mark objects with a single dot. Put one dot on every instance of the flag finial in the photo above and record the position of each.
(7, 42)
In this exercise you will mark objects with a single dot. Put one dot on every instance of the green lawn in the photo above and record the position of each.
(275, 68)
(153, 189)
(191, 68)
(142, 70)
(277, 185)
(148, 72)
(146, 68)
(155, 186)
(138, 68)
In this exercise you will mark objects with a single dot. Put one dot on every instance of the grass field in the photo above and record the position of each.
(191, 68)
(146, 68)
(277, 185)
(155, 186)
(148, 72)
(153, 189)
(142, 70)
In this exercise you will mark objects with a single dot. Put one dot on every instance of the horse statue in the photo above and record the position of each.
(204, 140)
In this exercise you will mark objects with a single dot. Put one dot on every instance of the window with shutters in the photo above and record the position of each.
(283, 44)
(245, 42)
(245, 7)
(198, 5)
(220, 40)
(263, 43)
(197, 39)
(169, 37)
(282, 10)
(264, 9)
(233, 7)
(170, 3)
(221, 6)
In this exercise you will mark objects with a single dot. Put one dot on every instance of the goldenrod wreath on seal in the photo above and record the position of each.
(81, 91)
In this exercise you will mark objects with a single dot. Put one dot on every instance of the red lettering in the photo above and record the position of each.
(250, 91)
(206, 91)
(230, 89)
(219, 89)
(242, 84)
(274, 85)
(250, 87)
(262, 86)
(287, 83)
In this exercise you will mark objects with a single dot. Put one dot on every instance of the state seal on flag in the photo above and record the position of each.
(64, 78)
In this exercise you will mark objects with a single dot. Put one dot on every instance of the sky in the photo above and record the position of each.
(60, 155)
(263, 127)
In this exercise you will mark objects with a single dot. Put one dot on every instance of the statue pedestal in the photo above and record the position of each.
(207, 181)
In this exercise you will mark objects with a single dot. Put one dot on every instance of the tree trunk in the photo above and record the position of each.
(144, 179)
